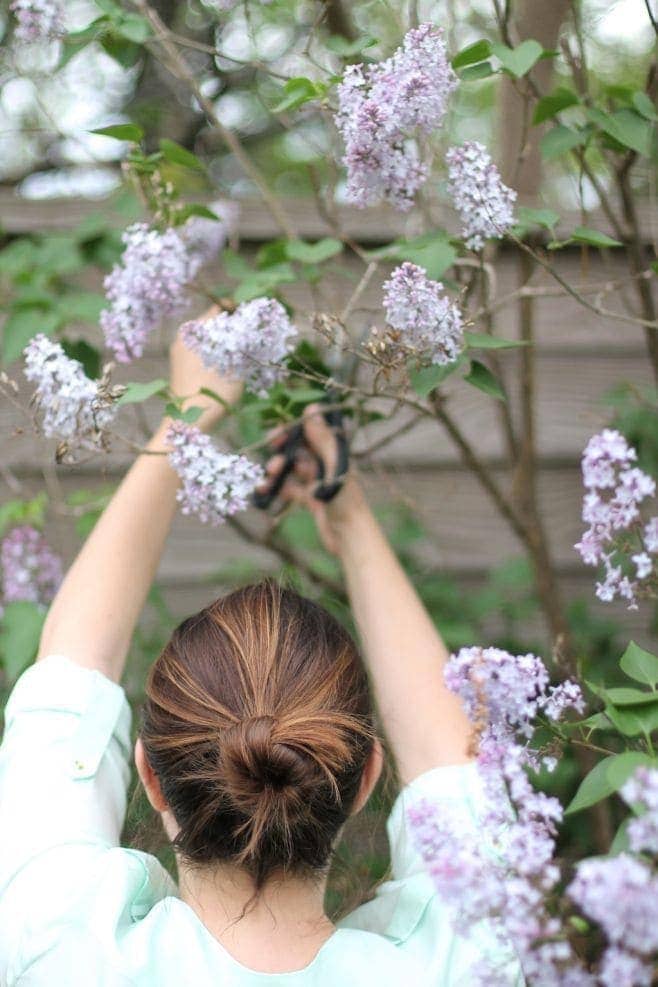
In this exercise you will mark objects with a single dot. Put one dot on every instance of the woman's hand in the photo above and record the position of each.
(331, 518)
(188, 375)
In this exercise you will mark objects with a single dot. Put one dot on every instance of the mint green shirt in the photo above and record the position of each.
(79, 910)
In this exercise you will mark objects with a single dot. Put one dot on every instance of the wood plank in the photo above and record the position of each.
(19, 215)
(570, 407)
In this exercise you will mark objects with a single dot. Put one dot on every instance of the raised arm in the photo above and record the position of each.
(424, 722)
(93, 616)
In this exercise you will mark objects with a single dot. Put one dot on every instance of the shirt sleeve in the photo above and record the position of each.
(64, 762)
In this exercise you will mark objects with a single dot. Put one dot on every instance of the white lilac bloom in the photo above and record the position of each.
(614, 490)
(204, 238)
(38, 20)
(430, 324)
(620, 968)
(74, 408)
(215, 484)
(641, 793)
(502, 868)
(383, 108)
(651, 535)
(484, 203)
(621, 894)
(249, 344)
(31, 570)
(145, 287)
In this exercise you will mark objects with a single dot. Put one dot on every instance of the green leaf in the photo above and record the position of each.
(605, 778)
(474, 72)
(640, 665)
(433, 252)
(425, 379)
(644, 105)
(475, 52)
(176, 154)
(626, 127)
(122, 132)
(528, 217)
(517, 61)
(84, 353)
(481, 377)
(235, 265)
(20, 630)
(23, 512)
(624, 696)
(126, 53)
(22, 325)
(263, 282)
(342, 46)
(195, 209)
(298, 91)
(620, 843)
(549, 106)
(583, 234)
(631, 721)
(138, 392)
(482, 341)
(189, 416)
(81, 306)
(559, 140)
(313, 253)
(134, 28)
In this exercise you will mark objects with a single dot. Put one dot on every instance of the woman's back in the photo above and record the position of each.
(77, 909)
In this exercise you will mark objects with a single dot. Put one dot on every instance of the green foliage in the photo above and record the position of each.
(20, 630)
(607, 777)
(481, 377)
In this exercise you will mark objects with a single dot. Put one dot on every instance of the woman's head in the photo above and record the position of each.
(258, 728)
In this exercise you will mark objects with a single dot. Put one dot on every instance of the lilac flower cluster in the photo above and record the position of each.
(641, 793)
(73, 406)
(383, 107)
(620, 894)
(145, 287)
(615, 488)
(31, 571)
(250, 344)
(215, 484)
(506, 877)
(204, 238)
(429, 323)
(485, 205)
(38, 20)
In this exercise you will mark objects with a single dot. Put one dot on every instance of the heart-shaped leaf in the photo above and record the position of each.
(517, 61)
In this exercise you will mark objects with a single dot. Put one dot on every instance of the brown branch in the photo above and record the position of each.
(180, 69)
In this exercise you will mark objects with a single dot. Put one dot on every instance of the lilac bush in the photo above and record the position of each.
(484, 203)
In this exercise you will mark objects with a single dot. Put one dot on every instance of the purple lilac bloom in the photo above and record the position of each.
(144, 288)
(429, 323)
(38, 20)
(215, 484)
(651, 535)
(383, 107)
(641, 793)
(505, 876)
(31, 571)
(621, 969)
(615, 488)
(620, 894)
(484, 203)
(250, 344)
(204, 238)
(72, 405)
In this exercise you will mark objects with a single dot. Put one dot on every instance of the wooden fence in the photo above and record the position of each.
(580, 357)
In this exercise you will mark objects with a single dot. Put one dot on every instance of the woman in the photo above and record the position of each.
(257, 745)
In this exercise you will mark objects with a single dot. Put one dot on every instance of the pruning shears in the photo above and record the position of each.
(327, 487)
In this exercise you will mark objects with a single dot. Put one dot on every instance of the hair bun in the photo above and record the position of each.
(255, 759)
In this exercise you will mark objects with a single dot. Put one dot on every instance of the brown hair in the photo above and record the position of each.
(258, 724)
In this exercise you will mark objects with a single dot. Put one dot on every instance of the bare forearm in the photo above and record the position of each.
(93, 616)
(424, 722)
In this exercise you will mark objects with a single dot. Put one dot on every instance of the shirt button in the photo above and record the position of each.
(79, 766)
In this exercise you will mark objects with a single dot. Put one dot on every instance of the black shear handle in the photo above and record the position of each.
(325, 490)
